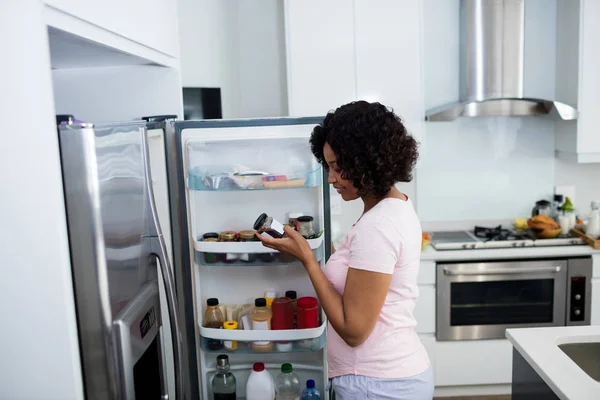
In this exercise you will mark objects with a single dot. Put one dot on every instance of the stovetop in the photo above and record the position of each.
(495, 237)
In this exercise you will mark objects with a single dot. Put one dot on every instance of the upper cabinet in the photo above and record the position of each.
(339, 51)
(144, 28)
(578, 78)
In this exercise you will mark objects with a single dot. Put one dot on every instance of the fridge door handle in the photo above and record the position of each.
(159, 250)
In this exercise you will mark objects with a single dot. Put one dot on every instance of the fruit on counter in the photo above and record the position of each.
(425, 240)
(521, 224)
(542, 222)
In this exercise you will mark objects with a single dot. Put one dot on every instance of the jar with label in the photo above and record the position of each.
(230, 345)
(213, 318)
(270, 226)
(305, 226)
(261, 321)
(228, 236)
(248, 236)
(210, 258)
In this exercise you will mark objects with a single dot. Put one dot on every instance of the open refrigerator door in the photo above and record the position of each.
(229, 173)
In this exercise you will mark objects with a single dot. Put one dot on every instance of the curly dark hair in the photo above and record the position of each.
(371, 145)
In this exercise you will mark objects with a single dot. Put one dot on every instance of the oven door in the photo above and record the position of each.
(137, 335)
(482, 300)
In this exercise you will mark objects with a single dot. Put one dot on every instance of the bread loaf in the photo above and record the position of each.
(542, 222)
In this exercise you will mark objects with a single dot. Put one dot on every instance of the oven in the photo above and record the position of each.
(480, 300)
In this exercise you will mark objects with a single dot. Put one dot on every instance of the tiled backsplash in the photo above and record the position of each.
(485, 168)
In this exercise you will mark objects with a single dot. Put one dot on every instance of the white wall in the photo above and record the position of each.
(39, 347)
(237, 45)
(117, 93)
(586, 180)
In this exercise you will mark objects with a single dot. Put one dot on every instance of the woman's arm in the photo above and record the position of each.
(353, 314)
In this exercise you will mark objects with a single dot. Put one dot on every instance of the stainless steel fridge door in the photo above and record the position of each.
(108, 213)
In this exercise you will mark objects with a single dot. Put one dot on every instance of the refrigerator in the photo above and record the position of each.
(119, 263)
(206, 195)
(210, 176)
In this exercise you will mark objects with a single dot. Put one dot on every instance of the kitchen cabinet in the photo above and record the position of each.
(146, 28)
(338, 51)
(577, 78)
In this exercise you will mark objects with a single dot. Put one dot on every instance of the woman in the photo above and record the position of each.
(369, 287)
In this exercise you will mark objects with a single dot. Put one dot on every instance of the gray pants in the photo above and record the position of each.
(358, 387)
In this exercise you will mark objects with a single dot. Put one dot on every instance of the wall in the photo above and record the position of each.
(585, 178)
(117, 93)
(39, 348)
(238, 46)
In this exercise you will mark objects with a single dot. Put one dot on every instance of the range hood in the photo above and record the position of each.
(491, 66)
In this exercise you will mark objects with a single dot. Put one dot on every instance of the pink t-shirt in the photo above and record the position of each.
(386, 239)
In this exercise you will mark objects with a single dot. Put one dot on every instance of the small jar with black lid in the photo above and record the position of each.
(270, 226)
(305, 226)
(210, 258)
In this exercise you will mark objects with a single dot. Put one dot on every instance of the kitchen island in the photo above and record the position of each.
(556, 363)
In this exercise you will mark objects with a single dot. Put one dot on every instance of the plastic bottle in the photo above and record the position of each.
(230, 345)
(223, 383)
(213, 318)
(270, 295)
(287, 384)
(261, 320)
(260, 385)
(311, 393)
(593, 226)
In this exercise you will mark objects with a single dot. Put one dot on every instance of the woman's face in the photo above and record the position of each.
(343, 186)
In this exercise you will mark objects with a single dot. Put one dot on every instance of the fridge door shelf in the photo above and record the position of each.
(270, 259)
(244, 247)
(200, 180)
(312, 344)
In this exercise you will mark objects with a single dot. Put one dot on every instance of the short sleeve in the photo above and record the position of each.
(376, 246)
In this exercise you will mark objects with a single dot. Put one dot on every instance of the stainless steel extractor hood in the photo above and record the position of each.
(491, 65)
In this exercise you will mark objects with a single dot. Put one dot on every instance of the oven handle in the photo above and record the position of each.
(503, 271)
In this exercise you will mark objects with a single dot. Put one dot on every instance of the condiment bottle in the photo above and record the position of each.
(308, 313)
(292, 295)
(283, 318)
(593, 226)
(261, 320)
(210, 258)
(270, 226)
(270, 295)
(229, 236)
(247, 236)
(213, 318)
(230, 345)
(305, 226)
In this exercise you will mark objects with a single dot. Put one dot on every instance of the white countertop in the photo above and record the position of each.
(539, 347)
(490, 254)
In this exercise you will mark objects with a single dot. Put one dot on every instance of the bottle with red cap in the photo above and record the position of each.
(260, 385)
(308, 313)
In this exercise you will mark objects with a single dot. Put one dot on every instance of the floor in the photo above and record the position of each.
(497, 397)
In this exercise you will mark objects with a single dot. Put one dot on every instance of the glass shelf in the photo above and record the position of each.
(283, 341)
(200, 180)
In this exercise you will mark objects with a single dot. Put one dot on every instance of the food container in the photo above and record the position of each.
(307, 312)
(230, 345)
(305, 226)
(211, 258)
(248, 236)
(228, 236)
(270, 226)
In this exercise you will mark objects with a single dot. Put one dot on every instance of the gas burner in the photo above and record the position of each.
(498, 234)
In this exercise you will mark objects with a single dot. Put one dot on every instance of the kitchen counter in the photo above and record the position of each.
(496, 254)
(539, 348)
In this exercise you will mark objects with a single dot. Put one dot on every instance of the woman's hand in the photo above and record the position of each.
(294, 244)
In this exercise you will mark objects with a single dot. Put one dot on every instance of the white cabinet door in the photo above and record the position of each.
(425, 310)
(152, 23)
(473, 362)
(320, 55)
(595, 316)
(388, 57)
(588, 136)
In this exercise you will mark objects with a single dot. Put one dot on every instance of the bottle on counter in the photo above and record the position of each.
(213, 318)
(260, 385)
(223, 383)
(230, 345)
(287, 384)
(311, 393)
(593, 225)
(261, 320)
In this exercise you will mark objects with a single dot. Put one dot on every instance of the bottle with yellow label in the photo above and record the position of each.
(230, 345)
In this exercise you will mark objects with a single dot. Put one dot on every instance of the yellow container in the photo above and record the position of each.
(230, 345)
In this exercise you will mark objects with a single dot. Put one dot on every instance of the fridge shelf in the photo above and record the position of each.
(199, 180)
(271, 259)
(250, 335)
(312, 344)
(244, 247)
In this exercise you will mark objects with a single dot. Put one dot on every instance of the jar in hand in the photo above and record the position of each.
(270, 226)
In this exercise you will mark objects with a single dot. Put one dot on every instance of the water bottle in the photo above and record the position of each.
(223, 383)
(287, 384)
(311, 393)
